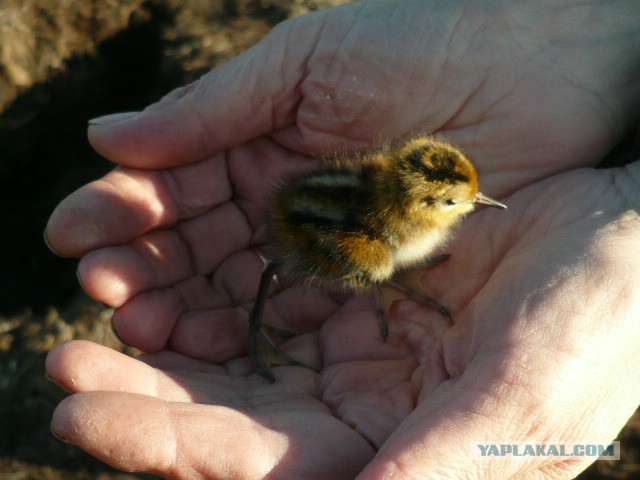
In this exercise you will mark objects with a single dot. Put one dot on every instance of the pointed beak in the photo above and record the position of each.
(490, 202)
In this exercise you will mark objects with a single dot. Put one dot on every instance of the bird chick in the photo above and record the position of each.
(357, 221)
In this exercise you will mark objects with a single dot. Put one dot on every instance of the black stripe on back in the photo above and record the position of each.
(305, 216)
(327, 191)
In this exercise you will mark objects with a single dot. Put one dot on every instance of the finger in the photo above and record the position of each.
(209, 321)
(202, 320)
(80, 366)
(253, 94)
(206, 319)
(445, 429)
(184, 440)
(220, 334)
(127, 203)
(443, 435)
(140, 433)
(163, 258)
(147, 320)
(134, 422)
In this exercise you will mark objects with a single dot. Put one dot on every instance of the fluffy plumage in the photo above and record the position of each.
(356, 221)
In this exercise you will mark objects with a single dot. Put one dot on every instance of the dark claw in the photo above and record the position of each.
(420, 297)
(270, 330)
(432, 262)
(259, 358)
(380, 314)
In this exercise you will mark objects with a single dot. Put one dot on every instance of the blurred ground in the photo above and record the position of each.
(61, 63)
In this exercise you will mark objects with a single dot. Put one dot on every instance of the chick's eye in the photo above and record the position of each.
(451, 201)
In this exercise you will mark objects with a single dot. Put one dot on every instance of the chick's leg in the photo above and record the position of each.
(263, 352)
(407, 283)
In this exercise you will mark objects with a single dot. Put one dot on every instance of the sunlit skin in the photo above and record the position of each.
(356, 221)
(545, 340)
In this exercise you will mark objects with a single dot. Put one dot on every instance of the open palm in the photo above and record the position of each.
(176, 246)
(330, 425)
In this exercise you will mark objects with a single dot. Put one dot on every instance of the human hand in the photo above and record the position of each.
(150, 241)
(543, 348)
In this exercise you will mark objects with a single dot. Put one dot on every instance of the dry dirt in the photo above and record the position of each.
(61, 63)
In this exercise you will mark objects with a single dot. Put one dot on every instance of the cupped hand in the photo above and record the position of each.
(543, 348)
(173, 237)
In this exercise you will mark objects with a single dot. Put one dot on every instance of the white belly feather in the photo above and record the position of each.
(415, 250)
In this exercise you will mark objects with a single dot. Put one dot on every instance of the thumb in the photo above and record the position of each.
(251, 95)
(445, 436)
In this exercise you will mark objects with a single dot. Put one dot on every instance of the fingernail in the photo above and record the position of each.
(55, 382)
(80, 281)
(46, 242)
(58, 436)
(113, 118)
(115, 332)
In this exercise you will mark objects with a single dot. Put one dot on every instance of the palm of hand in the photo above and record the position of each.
(366, 389)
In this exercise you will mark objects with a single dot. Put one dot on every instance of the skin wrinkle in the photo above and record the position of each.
(488, 395)
(468, 304)
(141, 247)
(176, 191)
(182, 294)
(176, 461)
(589, 97)
(189, 254)
(231, 175)
(392, 468)
(300, 74)
(235, 197)
(177, 94)
(217, 282)
(428, 107)
(199, 119)
(170, 183)
(111, 188)
(267, 103)
(476, 95)
(326, 75)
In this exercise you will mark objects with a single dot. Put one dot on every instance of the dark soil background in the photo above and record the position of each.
(61, 63)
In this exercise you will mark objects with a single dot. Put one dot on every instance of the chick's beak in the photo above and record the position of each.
(490, 202)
